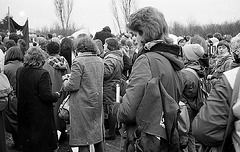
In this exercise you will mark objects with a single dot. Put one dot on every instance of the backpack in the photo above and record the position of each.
(164, 128)
(5, 90)
(202, 93)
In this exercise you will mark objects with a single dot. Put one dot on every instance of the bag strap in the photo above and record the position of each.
(153, 64)
(234, 98)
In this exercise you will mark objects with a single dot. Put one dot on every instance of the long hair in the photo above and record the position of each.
(13, 53)
(150, 24)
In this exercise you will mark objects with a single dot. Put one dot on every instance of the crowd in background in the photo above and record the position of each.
(89, 67)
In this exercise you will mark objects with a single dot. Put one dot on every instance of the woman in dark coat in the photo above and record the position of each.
(13, 60)
(36, 127)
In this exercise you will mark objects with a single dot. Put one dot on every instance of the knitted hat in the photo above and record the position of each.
(193, 52)
(197, 39)
(225, 43)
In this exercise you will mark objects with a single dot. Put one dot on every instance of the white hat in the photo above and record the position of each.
(193, 52)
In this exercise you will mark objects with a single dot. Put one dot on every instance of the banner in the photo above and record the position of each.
(24, 29)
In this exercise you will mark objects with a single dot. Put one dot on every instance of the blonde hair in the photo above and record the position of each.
(35, 57)
(150, 24)
(235, 43)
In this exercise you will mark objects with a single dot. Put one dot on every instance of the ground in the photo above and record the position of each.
(110, 145)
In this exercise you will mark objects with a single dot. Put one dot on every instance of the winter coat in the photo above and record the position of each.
(3, 145)
(170, 75)
(10, 113)
(86, 107)
(102, 35)
(191, 87)
(57, 66)
(113, 66)
(221, 65)
(209, 125)
(36, 127)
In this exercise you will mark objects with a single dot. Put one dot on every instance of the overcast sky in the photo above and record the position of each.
(95, 14)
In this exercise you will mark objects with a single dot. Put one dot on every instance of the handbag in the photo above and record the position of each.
(63, 111)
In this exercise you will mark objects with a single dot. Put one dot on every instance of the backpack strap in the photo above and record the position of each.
(193, 71)
(153, 64)
(230, 116)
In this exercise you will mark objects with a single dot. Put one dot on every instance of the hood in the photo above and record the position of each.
(58, 62)
(197, 67)
(117, 54)
(170, 51)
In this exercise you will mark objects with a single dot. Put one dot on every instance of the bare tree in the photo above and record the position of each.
(126, 6)
(63, 10)
(115, 14)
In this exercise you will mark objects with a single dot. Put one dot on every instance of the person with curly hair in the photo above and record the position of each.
(36, 127)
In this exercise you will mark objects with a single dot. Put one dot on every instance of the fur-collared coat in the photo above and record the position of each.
(57, 66)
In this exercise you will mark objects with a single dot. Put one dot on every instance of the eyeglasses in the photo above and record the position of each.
(222, 47)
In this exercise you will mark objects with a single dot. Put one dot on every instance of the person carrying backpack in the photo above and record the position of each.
(149, 108)
(216, 124)
(193, 73)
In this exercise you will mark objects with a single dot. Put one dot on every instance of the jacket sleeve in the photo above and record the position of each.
(141, 73)
(45, 89)
(210, 124)
(109, 67)
(73, 83)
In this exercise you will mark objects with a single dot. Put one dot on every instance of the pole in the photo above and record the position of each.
(8, 21)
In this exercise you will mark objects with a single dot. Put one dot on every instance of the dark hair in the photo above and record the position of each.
(66, 49)
(209, 35)
(13, 53)
(225, 43)
(10, 43)
(112, 44)
(22, 44)
(14, 36)
(86, 44)
(218, 36)
(53, 48)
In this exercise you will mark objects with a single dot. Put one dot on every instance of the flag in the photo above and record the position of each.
(24, 29)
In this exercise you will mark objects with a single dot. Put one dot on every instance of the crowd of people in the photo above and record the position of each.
(89, 68)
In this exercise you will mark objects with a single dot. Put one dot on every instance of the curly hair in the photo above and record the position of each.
(86, 44)
(35, 57)
(150, 24)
